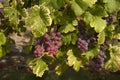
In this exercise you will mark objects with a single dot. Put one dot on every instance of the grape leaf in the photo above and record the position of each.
(73, 60)
(2, 38)
(98, 24)
(90, 2)
(56, 4)
(88, 17)
(113, 64)
(61, 68)
(14, 11)
(109, 31)
(74, 22)
(39, 19)
(101, 37)
(76, 8)
(70, 38)
(98, 10)
(90, 54)
(38, 66)
(111, 5)
(68, 28)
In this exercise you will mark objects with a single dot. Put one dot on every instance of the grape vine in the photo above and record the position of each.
(67, 32)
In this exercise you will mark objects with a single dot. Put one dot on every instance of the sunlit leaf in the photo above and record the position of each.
(101, 37)
(76, 8)
(39, 19)
(88, 17)
(113, 64)
(111, 5)
(38, 66)
(90, 2)
(73, 60)
(98, 23)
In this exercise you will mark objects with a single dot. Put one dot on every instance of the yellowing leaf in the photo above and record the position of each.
(38, 66)
(98, 24)
(39, 19)
(101, 37)
(73, 60)
(113, 64)
(90, 2)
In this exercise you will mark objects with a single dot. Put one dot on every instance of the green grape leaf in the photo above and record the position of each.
(109, 31)
(52, 4)
(39, 19)
(112, 5)
(90, 2)
(63, 19)
(113, 64)
(98, 23)
(38, 66)
(66, 40)
(74, 22)
(101, 37)
(98, 10)
(60, 68)
(74, 38)
(73, 60)
(2, 38)
(76, 8)
(14, 11)
(90, 54)
(88, 17)
(56, 4)
(67, 28)
(70, 38)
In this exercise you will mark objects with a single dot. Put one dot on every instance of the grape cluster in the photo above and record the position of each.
(49, 43)
(82, 45)
(99, 61)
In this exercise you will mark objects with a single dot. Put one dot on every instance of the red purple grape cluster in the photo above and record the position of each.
(99, 61)
(82, 45)
(49, 43)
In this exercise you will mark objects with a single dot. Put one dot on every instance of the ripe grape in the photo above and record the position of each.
(39, 50)
(82, 45)
(99, 61)
(50, 43)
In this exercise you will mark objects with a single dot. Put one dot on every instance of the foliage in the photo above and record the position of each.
(67, 17)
